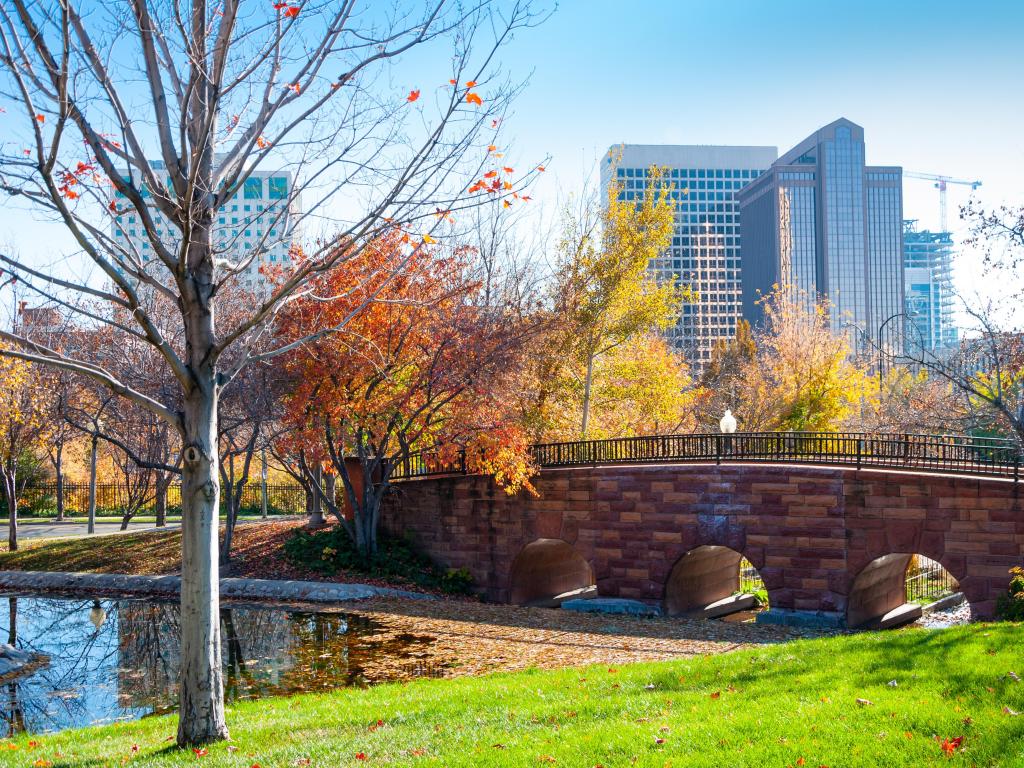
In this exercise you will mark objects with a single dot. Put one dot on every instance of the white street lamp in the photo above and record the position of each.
(727, 423)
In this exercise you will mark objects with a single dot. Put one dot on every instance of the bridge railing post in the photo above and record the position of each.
(718, 449)
(860, 450)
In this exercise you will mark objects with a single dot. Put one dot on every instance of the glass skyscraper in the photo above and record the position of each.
(928, 268)
(705, 249)
(824, 223)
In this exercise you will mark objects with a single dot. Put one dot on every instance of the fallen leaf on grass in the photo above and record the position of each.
(949, 746)
(1010, 712)
(864, 702)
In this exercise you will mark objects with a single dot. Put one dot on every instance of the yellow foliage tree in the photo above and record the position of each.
(605, 294)
(23, 427)
(642, 388)
(802, 377)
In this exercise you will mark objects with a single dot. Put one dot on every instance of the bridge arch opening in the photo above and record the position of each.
(711, 581)
(892, 590)
(546, 571)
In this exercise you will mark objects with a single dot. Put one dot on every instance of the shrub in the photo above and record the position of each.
(331, 551)
(1010, 605)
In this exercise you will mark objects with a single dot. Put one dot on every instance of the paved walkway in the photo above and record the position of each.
(54, 530)
(30, 528)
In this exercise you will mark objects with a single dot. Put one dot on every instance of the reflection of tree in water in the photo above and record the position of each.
(129, 666)
(75, 682)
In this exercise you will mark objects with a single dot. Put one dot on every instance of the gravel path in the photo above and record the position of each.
(949, 617)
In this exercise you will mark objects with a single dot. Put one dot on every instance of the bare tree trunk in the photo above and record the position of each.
(58, 465)
(92, 485)
(162, 481)
(201, 714)
(11, 492)
(587, 384)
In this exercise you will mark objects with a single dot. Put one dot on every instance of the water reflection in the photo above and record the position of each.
(118, 660)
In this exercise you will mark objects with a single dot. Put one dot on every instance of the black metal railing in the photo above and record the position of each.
(927, 581)
(956, 454)
(40, 500)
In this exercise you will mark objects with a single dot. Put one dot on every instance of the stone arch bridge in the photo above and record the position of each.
(829, 521)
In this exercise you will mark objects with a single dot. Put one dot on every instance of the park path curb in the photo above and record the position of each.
(113, 584)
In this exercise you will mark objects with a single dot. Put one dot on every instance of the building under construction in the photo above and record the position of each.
(928, 272)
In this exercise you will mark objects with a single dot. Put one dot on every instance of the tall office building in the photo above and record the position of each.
(823, 222)
(256, 219)
(928, 271)
(705, 250)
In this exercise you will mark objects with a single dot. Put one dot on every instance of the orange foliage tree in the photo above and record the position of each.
(423, 368)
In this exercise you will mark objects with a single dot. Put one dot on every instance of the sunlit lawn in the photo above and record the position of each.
(787, 705)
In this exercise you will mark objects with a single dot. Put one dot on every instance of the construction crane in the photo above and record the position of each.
(940, 184)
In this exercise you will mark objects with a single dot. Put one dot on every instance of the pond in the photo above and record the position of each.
(115, 660)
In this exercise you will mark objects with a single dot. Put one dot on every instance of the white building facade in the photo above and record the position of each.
(255, 226)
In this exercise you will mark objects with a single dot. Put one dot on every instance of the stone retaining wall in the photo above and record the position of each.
(116, 585)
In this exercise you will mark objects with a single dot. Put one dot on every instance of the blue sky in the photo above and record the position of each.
(935, 84)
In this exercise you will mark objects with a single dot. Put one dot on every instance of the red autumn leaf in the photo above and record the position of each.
(470, 83)
(507, 203)
(295, 87)
(40, 118)
(716, 695)
(491, 147)
(360, 755)
(490, 174)
(949, 746)
(494, 123)
(279, 6)
(526, 198)
(27, 152)
(506, 169)
(800, 761)
(452, 82)
(113, 206)
(135, 748)
(262, 143)
(292, 12)
(200, 751)
(472, 98)
(413, 95)
(541, 168)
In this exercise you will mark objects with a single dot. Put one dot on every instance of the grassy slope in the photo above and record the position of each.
(767, 707)
(145, 552)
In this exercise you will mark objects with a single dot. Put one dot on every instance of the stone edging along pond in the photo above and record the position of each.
(116, 585)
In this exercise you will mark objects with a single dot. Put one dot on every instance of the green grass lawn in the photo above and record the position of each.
(787, 705)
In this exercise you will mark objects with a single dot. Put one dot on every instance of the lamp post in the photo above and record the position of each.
(97, 428)
(881, 349)
(727, 423)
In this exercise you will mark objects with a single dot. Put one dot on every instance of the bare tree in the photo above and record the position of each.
(215, 92)
(986, 369)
